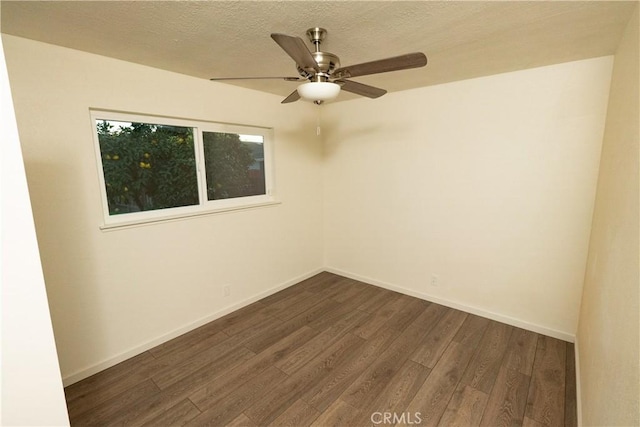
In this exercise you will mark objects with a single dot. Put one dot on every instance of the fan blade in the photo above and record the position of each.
(288, 79)
(402, 62)
(361, 89)
(296, 49)
(293, 97)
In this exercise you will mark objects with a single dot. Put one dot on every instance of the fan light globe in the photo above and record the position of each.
(319, 91)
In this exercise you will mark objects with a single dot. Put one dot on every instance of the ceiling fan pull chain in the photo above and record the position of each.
(318, 121)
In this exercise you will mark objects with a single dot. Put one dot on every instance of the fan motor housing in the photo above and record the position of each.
(327, 62)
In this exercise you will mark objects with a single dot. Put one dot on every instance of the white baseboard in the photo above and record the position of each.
(461, 306)
(576, 349)
(87, 372)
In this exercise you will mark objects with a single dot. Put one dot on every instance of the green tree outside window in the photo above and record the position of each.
(146, 166)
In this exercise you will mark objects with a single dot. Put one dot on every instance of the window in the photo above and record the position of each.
(159, 168)
(234, 164)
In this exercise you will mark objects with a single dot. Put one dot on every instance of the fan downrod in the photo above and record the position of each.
(316, 36)
(326, 61)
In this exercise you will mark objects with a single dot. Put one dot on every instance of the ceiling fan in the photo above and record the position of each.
(323, 74)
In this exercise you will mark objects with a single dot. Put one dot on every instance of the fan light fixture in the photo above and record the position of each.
(319, 91)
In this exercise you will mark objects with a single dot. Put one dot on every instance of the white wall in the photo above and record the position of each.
(31, 385)
(608, 338)
(113, 294)
(487, 183)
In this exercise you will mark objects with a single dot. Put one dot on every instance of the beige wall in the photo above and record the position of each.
(608, 333)
(486, 183)
(113, 294)
(32, 392)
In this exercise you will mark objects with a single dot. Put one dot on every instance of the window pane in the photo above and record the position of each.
(147, 166)
(234, 165)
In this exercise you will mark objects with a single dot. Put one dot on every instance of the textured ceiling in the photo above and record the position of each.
(231, 38)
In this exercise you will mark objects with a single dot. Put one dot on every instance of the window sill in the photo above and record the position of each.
(182, 216)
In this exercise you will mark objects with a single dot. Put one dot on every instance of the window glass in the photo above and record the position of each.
(234, 165)
(147, 166)
(157, 168)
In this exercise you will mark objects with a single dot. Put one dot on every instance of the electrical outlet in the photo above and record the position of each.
(434, 280)
(226, 290)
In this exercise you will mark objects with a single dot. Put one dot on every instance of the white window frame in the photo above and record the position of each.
(205, 206)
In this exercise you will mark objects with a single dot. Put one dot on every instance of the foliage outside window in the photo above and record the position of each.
(147, 167)
(235, 165)
(154, 168)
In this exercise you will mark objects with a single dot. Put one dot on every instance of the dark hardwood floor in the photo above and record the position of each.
(332, 351)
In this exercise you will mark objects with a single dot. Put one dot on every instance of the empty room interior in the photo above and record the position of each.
(451, 240)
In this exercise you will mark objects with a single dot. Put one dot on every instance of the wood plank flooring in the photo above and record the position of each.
(332, 351)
